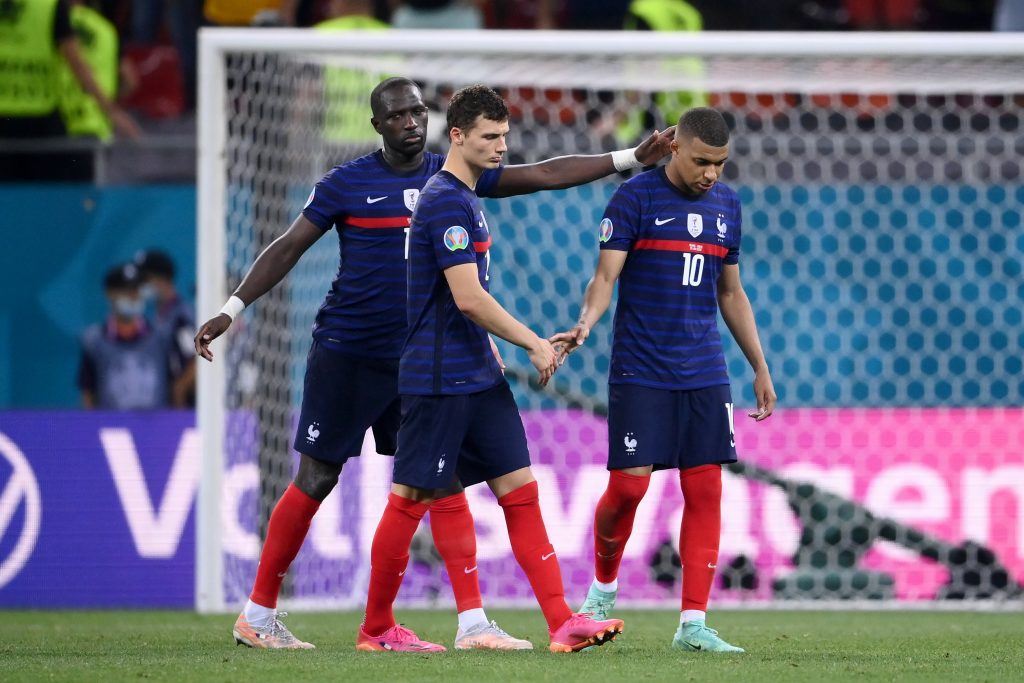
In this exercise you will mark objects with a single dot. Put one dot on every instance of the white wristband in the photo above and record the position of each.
(625, 159)
(233, 307)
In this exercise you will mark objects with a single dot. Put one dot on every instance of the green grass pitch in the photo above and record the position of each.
(781, 646)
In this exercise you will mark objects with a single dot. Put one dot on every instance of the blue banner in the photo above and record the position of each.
(97, 509)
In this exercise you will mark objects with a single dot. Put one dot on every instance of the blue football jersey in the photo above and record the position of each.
(666, 323)
(371, 205)
(446, 352)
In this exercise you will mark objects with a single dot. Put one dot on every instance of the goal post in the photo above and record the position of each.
(882, 252)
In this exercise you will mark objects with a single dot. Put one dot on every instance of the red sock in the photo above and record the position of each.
(613, 521)
(286, 531)
(451, 524)
(700, 533)
(534, 552)
(389, 556)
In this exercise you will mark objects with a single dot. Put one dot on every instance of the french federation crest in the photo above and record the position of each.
(456, 238)
(695, 224)
(722, 227)
(411, 196)
(607, 229)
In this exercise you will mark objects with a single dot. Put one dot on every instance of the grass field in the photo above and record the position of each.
(781, 646)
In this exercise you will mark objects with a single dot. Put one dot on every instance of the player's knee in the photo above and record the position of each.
(316, 478)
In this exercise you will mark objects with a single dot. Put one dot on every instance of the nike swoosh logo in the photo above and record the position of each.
(469, 571)
(374, 200)
(401, 573)
(660, 221)
(544, 557)
(281, 575)
(695, 646)
(711, 566)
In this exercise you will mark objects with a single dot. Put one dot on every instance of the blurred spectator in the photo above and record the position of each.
(182, 21)
(1009, 15)
(124, 362)
(345, 90)
(98, 40)
(174, 318)
(662, 15)
(437, 14)
(250, 12)
(666, 107)
(36, 38)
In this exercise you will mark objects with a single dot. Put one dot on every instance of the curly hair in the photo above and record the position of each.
(473, 101)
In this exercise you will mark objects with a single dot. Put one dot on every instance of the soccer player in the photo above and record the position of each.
(671, 237)
(460, 423)
(351, 381)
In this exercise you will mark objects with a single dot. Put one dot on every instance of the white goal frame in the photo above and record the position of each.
(213, 112)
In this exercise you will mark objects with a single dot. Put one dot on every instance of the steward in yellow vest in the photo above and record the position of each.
(346, 90)
(665, 15)
(98, 40)
(28, 58)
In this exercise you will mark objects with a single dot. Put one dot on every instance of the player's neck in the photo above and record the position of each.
(678, 183)
(461, 169)
(400, 162)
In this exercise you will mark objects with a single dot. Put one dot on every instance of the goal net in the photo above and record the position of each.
(882, 251)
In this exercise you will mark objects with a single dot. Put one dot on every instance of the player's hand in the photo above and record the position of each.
(567, 342)
(764, 391)
(211, 329)
(544, 358)
(656, 146)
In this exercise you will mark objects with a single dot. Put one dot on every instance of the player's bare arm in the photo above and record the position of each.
(739, 316)
(479, 306)
(596, 300)
(577, 169)
(270, 267)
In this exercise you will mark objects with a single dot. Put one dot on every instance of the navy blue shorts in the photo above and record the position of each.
(465, 438)
(343, 397)
(669, 429)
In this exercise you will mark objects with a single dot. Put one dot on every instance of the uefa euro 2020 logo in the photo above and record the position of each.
(456, 238)
(606, 229)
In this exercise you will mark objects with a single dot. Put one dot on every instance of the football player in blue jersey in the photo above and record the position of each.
(351, 381)
(671, 238)
(460, 424)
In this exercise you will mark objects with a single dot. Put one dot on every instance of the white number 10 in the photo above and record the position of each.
(693, 269)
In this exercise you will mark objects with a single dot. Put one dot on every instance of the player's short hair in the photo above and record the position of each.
(384, 86)
(473, 101)
(706, 124)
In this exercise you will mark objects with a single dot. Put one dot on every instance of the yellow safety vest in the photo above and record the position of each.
(664, 15)
(28, 58)
(347, 91)
(98, 41)
(667, 15)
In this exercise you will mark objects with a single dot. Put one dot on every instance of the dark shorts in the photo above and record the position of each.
(467, 438)
(669, 429)
(344, 396)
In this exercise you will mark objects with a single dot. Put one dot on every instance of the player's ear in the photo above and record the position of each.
(455, 135)
(376, 124)
(674, 145)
